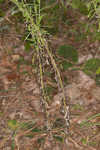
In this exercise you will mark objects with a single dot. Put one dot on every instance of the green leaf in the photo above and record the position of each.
(13, 124)
(98, 71)
(68, 52)
(27, 46)
(84, 141)
(36, 130)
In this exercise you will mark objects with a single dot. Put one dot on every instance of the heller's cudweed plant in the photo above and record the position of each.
(33, 17)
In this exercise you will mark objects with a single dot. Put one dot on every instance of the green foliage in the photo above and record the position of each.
(90, 8)
(92, 66)
(68, 52)
(1, 1)
(94, 11)
(97, 79)
(36, 130)
(92, 143)
(2, 13)
(88, 123)
(13, 124)
(80, 5)
(13, 144)
(84, 141)
(69, 56)
(58, 138)
(98, 71)
(27, 46)
(66, 65)
(52, 15)
(96, 35)
(78, 107)
(89, 119)
(27, 125)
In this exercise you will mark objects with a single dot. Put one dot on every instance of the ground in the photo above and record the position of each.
(22, 120)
